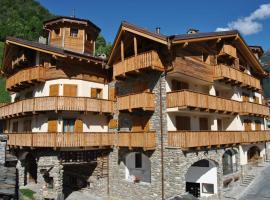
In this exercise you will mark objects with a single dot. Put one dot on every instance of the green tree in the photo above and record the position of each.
(102, 46)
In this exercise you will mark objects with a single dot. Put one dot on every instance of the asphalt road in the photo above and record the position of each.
(259, 189)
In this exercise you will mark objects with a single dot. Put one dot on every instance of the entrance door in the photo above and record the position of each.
(193, 188)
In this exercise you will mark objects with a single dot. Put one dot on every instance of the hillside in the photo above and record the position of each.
(24, 19)
(266, 83)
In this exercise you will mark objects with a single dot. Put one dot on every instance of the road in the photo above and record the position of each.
(259, 189)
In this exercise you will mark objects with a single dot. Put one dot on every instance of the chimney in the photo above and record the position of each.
(192, 31)
(157, 30)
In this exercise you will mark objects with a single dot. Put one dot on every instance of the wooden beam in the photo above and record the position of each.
(135, 46)
(122, 51)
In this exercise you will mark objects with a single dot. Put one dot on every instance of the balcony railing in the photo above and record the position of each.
(196, 100)
(235, 76)
(249, 108)
(143, 101)
(144, 60)
(190, 139)
(25, 77)
(84, 104)
(146, 140)
(186, 98)
(61, 139)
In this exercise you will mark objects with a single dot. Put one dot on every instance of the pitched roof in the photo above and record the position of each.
(50, 49)
(71, 19)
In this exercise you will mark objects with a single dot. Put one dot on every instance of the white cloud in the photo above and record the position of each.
(249, 25)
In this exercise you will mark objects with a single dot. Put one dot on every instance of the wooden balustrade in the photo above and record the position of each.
(149, 59)
(186, 99)
(143, 101)
(61, 139)
(191, 99)
(25, 77)
(235, 76)
(38, 104)
(146, 140)
(190, 139)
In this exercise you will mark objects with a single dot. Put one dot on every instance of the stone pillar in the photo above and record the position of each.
(50, 177)
(21, 172)
(3, 140)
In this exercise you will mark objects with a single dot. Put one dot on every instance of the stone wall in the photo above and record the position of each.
(2, 149)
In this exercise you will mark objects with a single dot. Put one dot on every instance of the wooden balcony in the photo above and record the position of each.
(192, 139)
(144, 101)
(236, 77)
(57, 140)
(24, 78)
(143, 140)
(134, 64)
(185, 99)
(255, 109)
(39, 104)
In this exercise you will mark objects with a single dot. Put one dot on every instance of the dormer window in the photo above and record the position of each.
(73, 32)
(57, 31)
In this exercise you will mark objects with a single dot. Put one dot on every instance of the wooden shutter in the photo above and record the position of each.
(258, 126)
(54, 90)
(182, 123)
(256, 99)
(113, 123)
(52, 125)
(78, 126)
(245, 97)
(93, 92)
(203, 124)
(136, 123)
(111, 93)
(70, 90)
(247, 125)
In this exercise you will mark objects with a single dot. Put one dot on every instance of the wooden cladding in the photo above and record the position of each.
(143, 101)
(145, 60)
(228, 50)
(146, 140)
(188, 99)
(190, 139)
(70, 90)
(236, 77)
(25, 77)
(83, 104)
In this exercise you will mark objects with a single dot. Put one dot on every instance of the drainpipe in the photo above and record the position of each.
(161, 138)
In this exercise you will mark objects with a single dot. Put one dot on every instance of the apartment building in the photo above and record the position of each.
(163, 115)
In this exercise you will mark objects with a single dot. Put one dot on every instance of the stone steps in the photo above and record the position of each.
(247, 180)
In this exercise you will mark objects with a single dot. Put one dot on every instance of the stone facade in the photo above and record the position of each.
(2, 149)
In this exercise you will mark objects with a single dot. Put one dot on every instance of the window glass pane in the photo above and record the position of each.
(65, 125)
(71, 125)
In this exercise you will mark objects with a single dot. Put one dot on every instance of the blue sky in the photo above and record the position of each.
(174, 17)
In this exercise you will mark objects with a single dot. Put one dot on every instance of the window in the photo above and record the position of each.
(70, 90)
(219, 125)
(179, 85)
(227, 162)
(29, 95)
(27, 125)
(207, 188)
(96, 93)
(182, 123)
(138, 160)
(68, 125)
(15, 127)
(256, 99)
(247, 125)
(74, 32)
(203, 124)
(258, 126)
(245, 97)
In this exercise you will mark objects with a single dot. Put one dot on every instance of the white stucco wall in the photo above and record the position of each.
(83, 88)
(91, 122)
(243, 150)
(203, 175)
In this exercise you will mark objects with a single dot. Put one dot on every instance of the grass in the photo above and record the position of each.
(26, 194)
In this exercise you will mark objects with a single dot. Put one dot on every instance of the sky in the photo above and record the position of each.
(250, 17)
